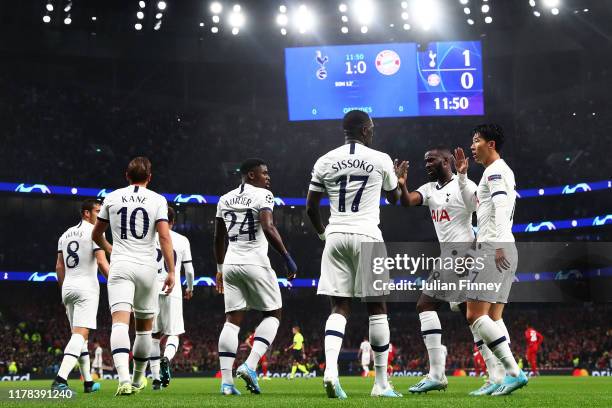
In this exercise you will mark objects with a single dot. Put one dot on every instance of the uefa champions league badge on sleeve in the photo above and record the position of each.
(321, 60)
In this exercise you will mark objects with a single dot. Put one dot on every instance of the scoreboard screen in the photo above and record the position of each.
(385, 80)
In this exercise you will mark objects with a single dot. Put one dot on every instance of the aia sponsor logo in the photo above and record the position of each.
(440, 215)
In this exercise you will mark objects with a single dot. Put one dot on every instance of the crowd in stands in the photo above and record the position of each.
(33, 337)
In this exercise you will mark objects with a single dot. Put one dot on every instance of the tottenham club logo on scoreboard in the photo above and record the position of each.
(388, 62)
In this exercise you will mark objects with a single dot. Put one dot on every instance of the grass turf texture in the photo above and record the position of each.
(555, 392)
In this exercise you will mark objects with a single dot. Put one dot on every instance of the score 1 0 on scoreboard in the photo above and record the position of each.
(385, 80)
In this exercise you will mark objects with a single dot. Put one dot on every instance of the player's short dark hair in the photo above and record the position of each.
(491, 132)
(354, 120)
(250, 164)
(139, 169)
(171, 215)
(445, 150)
(88, 205)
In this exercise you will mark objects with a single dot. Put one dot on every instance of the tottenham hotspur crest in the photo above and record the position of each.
(321, 60)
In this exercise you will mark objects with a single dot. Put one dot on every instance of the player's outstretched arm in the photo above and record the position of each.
(103, 265)
(313, 205)
(189, 277)
(467, 188)
(165, 242)
(97, 235)
(60, 269)
(266, 220)
(219, 251)
(407, 198)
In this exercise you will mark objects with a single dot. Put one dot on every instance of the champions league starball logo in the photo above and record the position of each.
(322, 71)
(546, 226)
(388, 62)
(194, 198)
(34, 188)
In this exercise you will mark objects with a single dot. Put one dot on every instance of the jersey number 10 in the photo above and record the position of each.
(145, 222)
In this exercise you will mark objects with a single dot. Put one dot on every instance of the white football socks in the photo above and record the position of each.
(120, 347)
(172, 343)
(154, 358)
(334, 333)
(141, 353)
(264, 336)
(228, 345)
(494, 366)
(379, 339)
(71, 355)
(431, 330)
(495, 340)
(84, 363)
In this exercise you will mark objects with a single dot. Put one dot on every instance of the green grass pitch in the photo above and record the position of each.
(555, 392)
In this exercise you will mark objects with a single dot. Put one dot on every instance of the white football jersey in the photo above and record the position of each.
(97, 357)
(240, 209)
(353, 176)
(77, 249)
(133, 212)
(497, 179)
(182, 255)
(451, 217)
(366, 350)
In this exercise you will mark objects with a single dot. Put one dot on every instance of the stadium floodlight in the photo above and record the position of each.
(344, 19)
(237, 8)
(304, 19)
(470, 21)
(214, 30)
(464, 2)
(138, 26)
(488, 19)
(216, 7)
(404, 15)
(467, 10)
(235, 31)
(282, 9)
(159, 16)
(68, 7)
(426, 13)
(157, 25)
(343, 8)
(283, 31)
(201, 24)
(94, 18)
(142, 4)
(406, 26)
(532, 3)
(140, 15)
(68, 20)
(551, 3)
(46, 19)
(485, 8)
(49, 7)
(282, 20)
(344, 30)
(404, 5)
(364, 29)
(236, 20)
(216, 19)
(364, 11)
(161, 5)
(554, 11)
(536, 13)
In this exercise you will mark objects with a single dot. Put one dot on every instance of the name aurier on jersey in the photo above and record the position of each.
(353, 164)
(238, 200)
